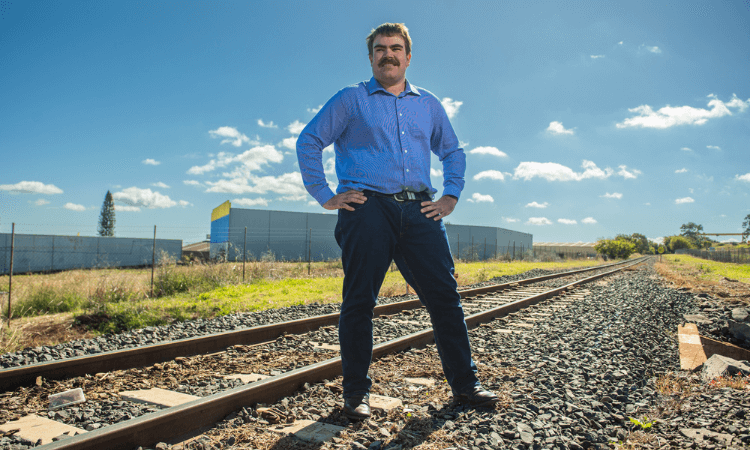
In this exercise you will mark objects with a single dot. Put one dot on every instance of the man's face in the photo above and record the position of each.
(389, 59)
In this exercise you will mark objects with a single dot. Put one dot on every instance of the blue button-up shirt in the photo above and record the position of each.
(382, 142)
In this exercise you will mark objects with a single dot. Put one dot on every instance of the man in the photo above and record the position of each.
(383, 131)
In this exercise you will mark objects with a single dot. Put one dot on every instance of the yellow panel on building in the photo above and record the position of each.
(221, 210)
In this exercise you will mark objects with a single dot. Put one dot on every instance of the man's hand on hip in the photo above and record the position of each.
(440, 208)
(342, 200)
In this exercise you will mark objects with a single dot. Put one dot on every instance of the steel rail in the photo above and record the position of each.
(179, 421)
(147, 355)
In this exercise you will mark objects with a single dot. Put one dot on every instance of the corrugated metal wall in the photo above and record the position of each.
(290, 236)
(44, 253)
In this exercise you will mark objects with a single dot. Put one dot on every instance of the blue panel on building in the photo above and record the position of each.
(220, 230)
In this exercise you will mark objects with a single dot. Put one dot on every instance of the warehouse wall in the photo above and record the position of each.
(43, 253)
(290, 236)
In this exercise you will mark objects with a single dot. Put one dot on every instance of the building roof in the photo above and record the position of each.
(202, 246)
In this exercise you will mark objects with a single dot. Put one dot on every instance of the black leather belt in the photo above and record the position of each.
(403, 196)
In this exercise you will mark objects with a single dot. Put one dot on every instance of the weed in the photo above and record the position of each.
(47, 299)
(645, 424)
(737, 382)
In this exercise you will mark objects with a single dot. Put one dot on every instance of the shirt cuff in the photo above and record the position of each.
(453, 191)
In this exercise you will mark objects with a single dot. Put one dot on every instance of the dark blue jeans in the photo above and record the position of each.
(378, 231)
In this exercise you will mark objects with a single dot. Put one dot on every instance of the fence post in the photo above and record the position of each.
(10, 278)
(153, 262)
(309, 252)
(244, 257)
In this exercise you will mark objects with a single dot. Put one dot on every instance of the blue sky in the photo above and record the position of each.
(580, 120)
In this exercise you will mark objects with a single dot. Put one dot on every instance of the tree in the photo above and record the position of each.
(615, 248)
(107, 217)
(640, 241)
(677, 242)
(691, 231)
(746, 226)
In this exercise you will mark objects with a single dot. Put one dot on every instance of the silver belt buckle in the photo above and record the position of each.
(404, 195)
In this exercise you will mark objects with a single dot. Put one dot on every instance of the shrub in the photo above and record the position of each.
(615, 248)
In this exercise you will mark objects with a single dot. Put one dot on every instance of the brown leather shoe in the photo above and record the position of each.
(357, 407)
(477, 397)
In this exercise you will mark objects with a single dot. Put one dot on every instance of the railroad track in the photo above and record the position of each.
(480, 305)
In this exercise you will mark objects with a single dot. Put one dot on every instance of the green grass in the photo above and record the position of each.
(118, 301)
(709, 270)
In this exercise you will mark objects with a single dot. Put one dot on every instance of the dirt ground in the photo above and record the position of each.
(732, 291)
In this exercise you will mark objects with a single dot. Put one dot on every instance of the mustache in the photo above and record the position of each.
(387, 60)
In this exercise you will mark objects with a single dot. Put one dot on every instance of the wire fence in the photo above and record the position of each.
(735, 255)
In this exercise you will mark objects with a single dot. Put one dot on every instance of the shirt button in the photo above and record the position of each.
(402, 132)
(400, 114)
(406, 151)
(407, 170)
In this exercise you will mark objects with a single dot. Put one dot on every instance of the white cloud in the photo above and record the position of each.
(589, 220)
(192, 183)
(296, 127)
(31, 187)
(511, 220)
(462, 144)
(625, 173)
(567, 221)
(479, 198)
(231, 135)
(538, 221)
(185, 203)
(329, 167)
(289, 184)
(74, 207)
(451, 106)
(436, 172)
(314, 110)
(680, 201)
(250, 160)
(160, 185)
(557, 172)
(653, 49)
(491, 174)
(127, 208)
(620, 43)
(670, 116)
(41, 202)
(616, 195)
(267, 125)
(714, 147)
(488, 151)
(151, 162)
(683, 170)
(597, 56)
(537, 205)
(686, 149)
(328, 149)
(146, 198)
(290, 143)
(260, 201)
(745, 177)
(558, 128)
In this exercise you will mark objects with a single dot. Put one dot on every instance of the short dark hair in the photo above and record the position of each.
(390, 29)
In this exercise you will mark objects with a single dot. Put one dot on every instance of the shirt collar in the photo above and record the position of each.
(373, 86)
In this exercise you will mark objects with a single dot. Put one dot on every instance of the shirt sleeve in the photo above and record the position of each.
(324, 129)
(445, 145)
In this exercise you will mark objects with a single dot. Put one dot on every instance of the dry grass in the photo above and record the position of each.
(696, 275)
